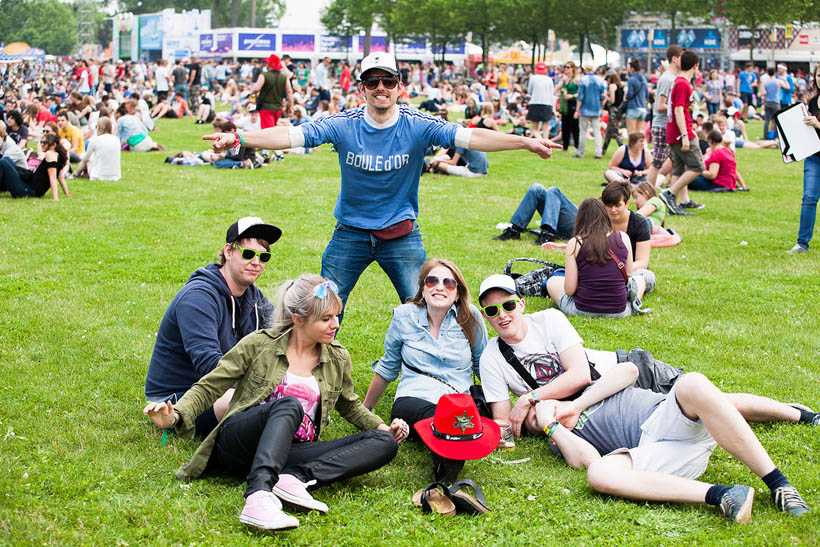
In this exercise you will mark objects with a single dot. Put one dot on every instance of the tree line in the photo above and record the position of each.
(52, 24)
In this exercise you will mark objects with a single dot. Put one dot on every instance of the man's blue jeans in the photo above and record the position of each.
(351, 250)
(556, 210)
(811, 192)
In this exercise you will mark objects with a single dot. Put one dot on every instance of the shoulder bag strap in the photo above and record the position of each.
(510, 357)
(621, 265)
(419, 371)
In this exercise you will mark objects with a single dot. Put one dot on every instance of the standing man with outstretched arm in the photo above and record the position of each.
(381, 151)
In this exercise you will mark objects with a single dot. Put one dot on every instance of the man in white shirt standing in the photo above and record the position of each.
(161, 76)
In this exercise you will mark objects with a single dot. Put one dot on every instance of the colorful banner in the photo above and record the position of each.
(335, 44)
(699, 38)
(299, 42)
(151, 32)
(256, 42)
(377, 43)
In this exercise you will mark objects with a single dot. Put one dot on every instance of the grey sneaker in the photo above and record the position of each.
(816, 419)
(736, 504)
(672, 205)
(692, 205)
(797, 249)
(788, 499)
(508, 233)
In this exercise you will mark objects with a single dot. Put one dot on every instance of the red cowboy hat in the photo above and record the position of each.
(540, 68)
(457, 431)
(274, 62)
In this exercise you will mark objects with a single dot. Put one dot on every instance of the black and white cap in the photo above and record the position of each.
(252, 227)
(380, 60)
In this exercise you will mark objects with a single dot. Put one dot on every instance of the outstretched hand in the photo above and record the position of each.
(162, 414)
(220, 141)
(542, 147)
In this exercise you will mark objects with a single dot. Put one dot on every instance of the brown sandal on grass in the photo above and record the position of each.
(435, 497)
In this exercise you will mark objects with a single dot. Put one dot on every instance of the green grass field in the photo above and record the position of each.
(85, 281)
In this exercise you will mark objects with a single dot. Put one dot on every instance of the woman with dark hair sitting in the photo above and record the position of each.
(435, 342)
(597, 259)
(288, 379)
(48, 174)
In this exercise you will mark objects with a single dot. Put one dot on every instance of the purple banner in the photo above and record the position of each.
(414, 46)
(451, 49)
(377, 43)
(224, 42)
(298, 42)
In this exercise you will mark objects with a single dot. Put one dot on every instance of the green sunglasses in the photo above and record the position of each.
(248, 254)
(508, 305)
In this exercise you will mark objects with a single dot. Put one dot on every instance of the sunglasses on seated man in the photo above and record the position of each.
(493, 309)
(372, 82)
(248, 254)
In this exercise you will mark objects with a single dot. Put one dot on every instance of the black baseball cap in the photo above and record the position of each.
(252, 227)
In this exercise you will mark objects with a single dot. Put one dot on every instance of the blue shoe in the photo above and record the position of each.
(737, 503)
(788, 499)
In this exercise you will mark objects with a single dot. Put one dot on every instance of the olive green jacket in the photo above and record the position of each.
(257, 364)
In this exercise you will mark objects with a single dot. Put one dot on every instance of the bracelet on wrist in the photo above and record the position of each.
(550, 429)
(534, 398)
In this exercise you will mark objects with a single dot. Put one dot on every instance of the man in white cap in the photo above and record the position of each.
(554, 364)
(215, 309)
(381, 153)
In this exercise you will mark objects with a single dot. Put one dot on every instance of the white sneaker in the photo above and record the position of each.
(797, 249)
(264, 510)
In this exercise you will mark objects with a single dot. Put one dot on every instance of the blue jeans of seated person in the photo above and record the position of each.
(351, 250)
(702, 184)
(811, 192)
(226, 163)
(556, 210)
(10, 181)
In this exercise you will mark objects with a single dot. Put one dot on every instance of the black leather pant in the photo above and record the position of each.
(258, 443)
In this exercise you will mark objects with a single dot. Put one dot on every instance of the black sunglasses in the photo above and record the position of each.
(493, 309)
(372, 82)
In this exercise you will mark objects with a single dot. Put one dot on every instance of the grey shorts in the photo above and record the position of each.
(567, 305)
(691, 160)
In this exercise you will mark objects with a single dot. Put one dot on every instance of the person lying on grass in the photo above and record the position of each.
(552, 353)
(641, 445)
(288, 380)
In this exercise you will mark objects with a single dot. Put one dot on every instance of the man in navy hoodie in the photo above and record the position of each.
(216, 308)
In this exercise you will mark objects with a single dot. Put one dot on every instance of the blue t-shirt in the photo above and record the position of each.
(772, 90)
(476, 160)
(380, 164)
(786, 94)
(638, 91)
(746, 80)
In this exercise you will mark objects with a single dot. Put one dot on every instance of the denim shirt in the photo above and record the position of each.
(590, 94)
(449, 357)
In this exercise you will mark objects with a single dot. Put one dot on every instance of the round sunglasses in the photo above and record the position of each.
(493, 309)
(248, 254)
(432, 281)
(372, 82)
